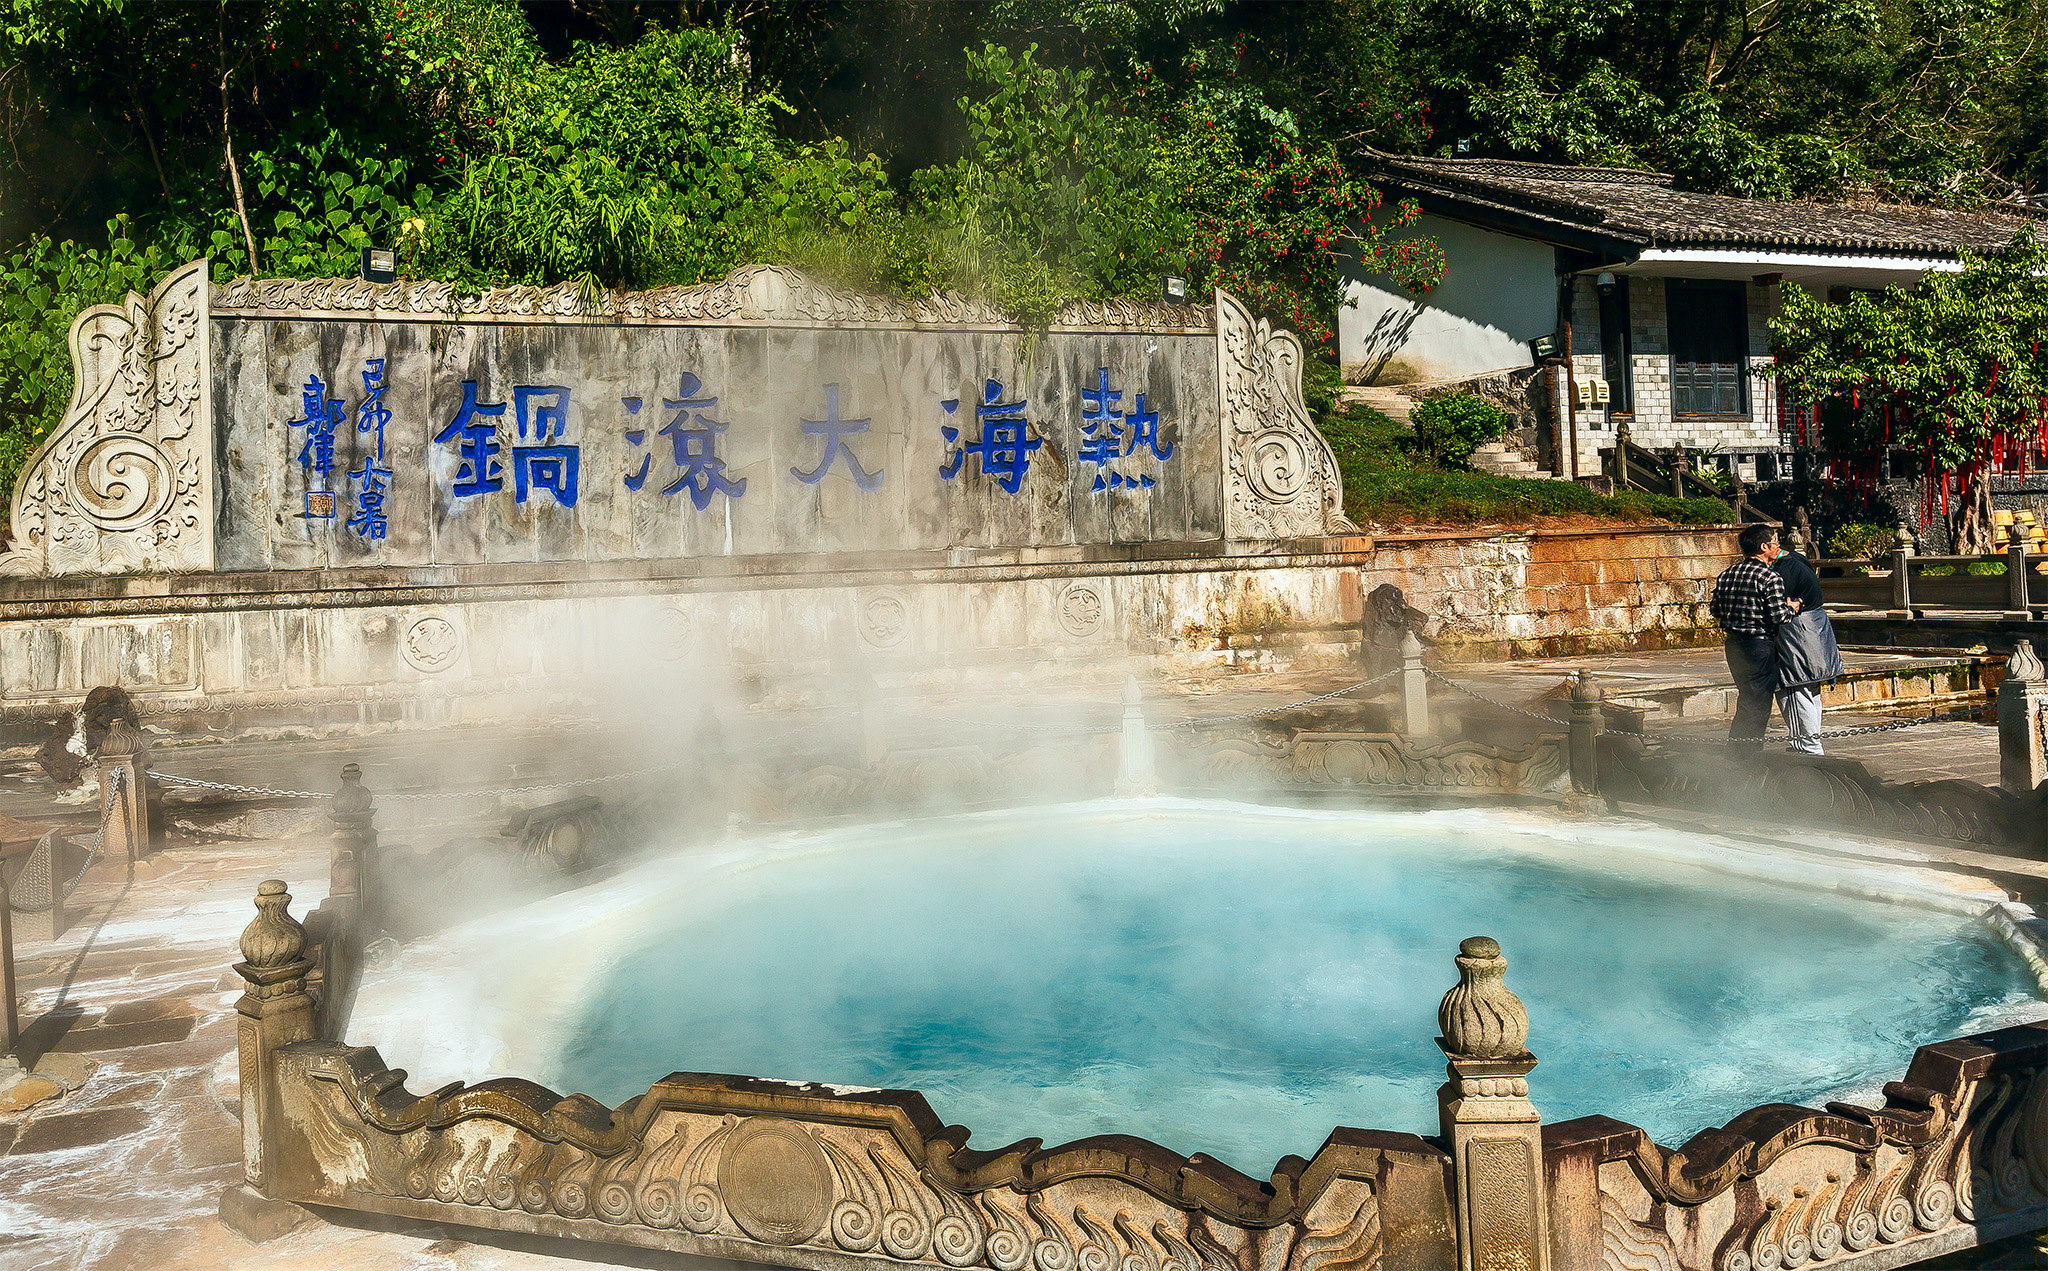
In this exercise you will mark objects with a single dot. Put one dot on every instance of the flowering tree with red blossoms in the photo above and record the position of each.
(1955, 369)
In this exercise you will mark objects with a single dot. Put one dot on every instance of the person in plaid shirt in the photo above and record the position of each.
(1750, 604)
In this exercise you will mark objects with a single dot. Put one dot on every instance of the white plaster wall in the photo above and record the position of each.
(1498, 293)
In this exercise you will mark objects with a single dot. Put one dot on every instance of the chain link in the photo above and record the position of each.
(1828, 735)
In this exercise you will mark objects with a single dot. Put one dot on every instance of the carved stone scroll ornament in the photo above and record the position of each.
(765, 294)
(774, 1172)
(1964, 1139)
(1385, 759)
(1281, 476)
(124, 483)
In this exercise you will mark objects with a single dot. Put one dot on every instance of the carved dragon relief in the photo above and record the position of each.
(742, 1168)
(1282, 478)
(124, 482)
(1813, 1187)
(765, 294)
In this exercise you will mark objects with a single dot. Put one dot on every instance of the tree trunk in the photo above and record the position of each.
(1969, 518)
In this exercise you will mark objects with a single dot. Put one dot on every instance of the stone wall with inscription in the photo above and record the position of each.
(360, 504)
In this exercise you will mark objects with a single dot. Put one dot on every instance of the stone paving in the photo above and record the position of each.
(126, 1171)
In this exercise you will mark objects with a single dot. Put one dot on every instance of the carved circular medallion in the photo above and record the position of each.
(430, 644)
(1278, 470)
(122, 482)
(884, 620)
(1080, 610)
(669, 638)
(776, 1182)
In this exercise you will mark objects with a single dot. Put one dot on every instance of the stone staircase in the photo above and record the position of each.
(1504, 460)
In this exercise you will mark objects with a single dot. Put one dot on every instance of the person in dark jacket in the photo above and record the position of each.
(1750, 604)
(1807, 655)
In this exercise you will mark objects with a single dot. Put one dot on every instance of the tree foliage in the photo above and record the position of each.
(1954, 368)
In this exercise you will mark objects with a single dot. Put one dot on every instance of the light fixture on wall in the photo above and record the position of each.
(1175, 289)
(1462, 148)
(380, 264)
(1606, 284)
(1544, 347)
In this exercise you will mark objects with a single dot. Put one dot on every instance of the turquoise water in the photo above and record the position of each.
(1241, 983)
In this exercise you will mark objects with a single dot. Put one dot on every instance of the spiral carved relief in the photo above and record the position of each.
(122, 482)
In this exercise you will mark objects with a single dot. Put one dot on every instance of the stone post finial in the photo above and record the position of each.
(352, 798)
(1903, 539)
(2024, 664)
(273, 938)
(122, 740)
(1480, 1017)
(1795, 538)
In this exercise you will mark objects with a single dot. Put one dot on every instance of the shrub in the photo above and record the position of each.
(1859, 541)
(1451, 427)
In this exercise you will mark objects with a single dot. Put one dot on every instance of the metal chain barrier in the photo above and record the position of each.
(20, 903)
(231, 788)
(1894, 726)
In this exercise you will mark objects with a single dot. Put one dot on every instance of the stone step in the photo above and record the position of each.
(1386, 401)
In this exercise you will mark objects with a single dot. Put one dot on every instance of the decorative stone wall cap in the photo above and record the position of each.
(1480, 1017)
(766, 294)
(274, 938)
(2024, 664)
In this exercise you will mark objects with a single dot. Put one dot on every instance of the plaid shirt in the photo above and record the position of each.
(1749, 599)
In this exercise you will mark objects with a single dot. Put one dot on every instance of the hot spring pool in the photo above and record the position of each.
(1214, 977)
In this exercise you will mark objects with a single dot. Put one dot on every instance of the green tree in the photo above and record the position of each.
(1953, 368)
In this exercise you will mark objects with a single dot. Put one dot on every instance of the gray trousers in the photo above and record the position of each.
(1801, 709)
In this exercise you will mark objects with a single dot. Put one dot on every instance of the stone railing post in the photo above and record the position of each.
(1680, 468)
(1494, 1132)
(1795, 538)
(1586, 726)
(1902, 588)
(10, 1018)
(2016, 580)
(1414, 688)
(275, 1011)
(1622, 438)
(1135, 769)
(2022, 695)
(123, 764)
(352, 869)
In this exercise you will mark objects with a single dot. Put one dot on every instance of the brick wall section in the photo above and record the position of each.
(1548, 593)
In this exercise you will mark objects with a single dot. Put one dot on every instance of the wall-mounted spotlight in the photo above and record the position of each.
(1606, 284)
(380, 264)
(1175, 289)
(1462, 148)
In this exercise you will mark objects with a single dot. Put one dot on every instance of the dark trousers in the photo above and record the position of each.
(1753, 662)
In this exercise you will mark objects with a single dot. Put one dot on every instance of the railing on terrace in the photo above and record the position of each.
(2013, 584)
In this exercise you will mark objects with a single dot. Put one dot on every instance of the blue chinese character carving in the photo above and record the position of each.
(322, 415)
(1107, 434)
(694, 436)
(1102, 435)
(480, 473)
(372, 415)
(835, 430)
(549, 419)
(372, 480)
(1145, 432)
(1002, 451)
(638, 436)
(551, 468)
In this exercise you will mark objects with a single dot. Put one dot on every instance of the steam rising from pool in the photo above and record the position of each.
(1212, 976)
